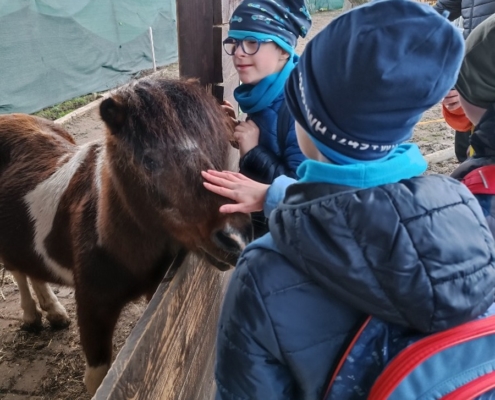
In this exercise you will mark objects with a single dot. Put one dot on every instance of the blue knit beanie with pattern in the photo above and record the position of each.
(282, 21)
(365, 80)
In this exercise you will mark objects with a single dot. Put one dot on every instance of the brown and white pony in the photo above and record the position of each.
(109, 217)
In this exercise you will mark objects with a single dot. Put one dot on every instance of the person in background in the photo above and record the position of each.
(261, 41)
(360, 232)
(476, 87)
(473, 12)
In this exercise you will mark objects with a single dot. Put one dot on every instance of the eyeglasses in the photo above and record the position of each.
(250, 45)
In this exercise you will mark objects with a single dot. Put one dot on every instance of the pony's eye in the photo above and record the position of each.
(149, 163)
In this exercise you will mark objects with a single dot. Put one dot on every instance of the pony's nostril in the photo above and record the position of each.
(228, 241)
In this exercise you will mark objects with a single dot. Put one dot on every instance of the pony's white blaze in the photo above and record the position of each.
(42, 203)
(187, 144)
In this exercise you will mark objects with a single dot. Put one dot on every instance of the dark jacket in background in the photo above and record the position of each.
(473, 12)
(483, 142)
(268, 161)
(273, 156)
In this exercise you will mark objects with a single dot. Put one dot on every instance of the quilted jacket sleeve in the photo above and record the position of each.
(264, 166)
(248, 352)
(276, 192)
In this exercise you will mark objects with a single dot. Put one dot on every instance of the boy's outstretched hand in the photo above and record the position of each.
(248, 194)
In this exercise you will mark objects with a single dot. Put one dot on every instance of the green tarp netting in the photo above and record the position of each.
(54, 50)
(324, 5)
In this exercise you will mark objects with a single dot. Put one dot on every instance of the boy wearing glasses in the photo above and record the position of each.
(261, 41)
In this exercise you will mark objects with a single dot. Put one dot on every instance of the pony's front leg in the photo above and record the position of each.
(31, 313)
(96, 325)
(56, 313)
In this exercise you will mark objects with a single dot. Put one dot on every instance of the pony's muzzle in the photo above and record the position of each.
(230, 240)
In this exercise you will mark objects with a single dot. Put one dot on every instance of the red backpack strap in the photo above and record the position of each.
(481, 180)
(345, 355)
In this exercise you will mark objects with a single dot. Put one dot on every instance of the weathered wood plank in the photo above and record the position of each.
(207, 389)
(169, 353)
(226, 90)
(440, 155)
(202, 26)
(225, 66)
(195, 39)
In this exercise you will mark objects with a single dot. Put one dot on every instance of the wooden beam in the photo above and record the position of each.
(202, 26)
(441, 155)
(195, 39)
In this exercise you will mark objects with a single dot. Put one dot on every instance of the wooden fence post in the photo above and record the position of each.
(202, 25)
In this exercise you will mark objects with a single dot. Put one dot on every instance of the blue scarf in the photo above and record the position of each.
(254, 98)
(404, 162)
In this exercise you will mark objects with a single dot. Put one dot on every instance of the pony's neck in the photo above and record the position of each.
(119, 223)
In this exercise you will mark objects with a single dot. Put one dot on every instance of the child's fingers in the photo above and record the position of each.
(225, 175)
(220, 190)
(232, 208)
(238, 176)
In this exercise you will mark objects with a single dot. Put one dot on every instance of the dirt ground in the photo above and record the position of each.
(49, 365)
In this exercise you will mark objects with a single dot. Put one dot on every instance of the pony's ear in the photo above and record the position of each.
(113, 112)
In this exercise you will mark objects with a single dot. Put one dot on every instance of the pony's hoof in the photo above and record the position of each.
(32, 321)
(33, 327)
(59, 323)
(93, 377)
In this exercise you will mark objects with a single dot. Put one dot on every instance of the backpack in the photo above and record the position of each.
(481, 180)
(456, 364)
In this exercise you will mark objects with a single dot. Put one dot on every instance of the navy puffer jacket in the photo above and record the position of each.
(473, 12)
(268, 160)
(425, 260)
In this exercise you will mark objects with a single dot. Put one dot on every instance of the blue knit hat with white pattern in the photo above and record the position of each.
(365, 80)
(282, 21)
